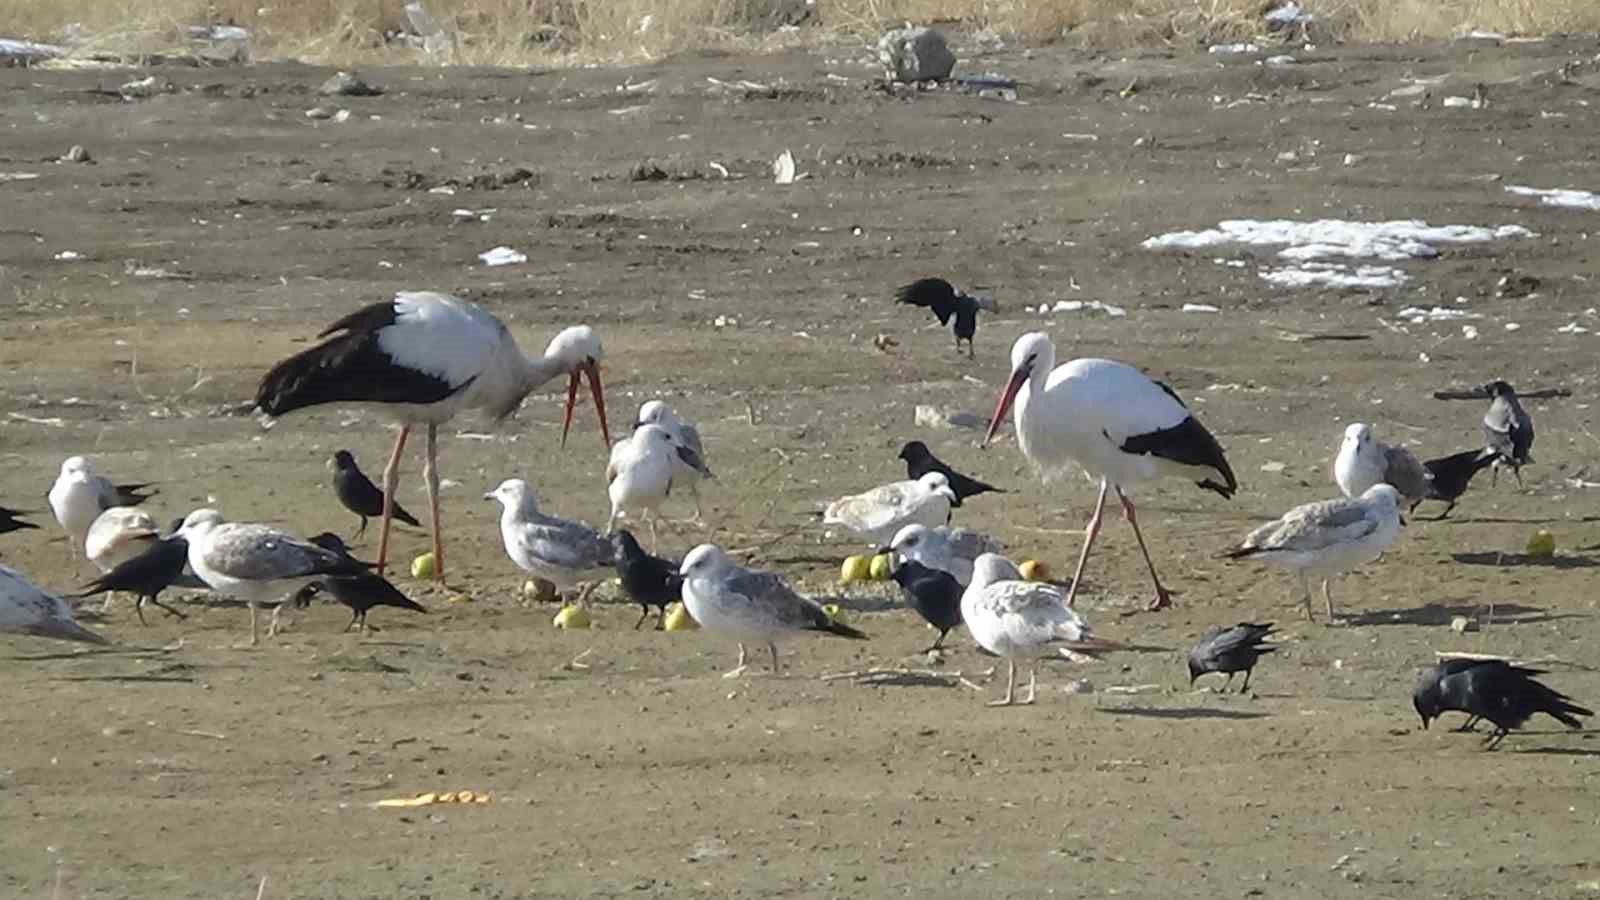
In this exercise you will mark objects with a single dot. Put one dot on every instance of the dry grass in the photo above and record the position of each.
(522, 32)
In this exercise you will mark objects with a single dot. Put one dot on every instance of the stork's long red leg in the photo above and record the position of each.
(391, 480)
(430, 473)
(1088, 541)
(1163, 599)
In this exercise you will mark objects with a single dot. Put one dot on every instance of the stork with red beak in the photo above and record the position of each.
(1120, 426)
(421, 358)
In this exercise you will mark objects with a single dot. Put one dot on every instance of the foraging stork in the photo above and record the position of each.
(422, 358)
(1119, 425)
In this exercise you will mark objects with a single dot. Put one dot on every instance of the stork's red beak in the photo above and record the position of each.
(1018, 379)
(596, 390)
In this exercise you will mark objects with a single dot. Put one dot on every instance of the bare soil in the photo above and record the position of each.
(179, 767)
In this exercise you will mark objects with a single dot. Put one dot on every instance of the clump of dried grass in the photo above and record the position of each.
(534, 32)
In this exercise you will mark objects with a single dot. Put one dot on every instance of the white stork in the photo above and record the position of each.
(1120, 426)
(422, 358)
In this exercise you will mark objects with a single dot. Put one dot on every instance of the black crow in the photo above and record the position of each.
(920, 461)
(359, 495)
(360, 593)
(1508, 429)
(935, 595)
(1229, 651)
(1504, 694)
(148, 574)
(1448, 476)
(335, 544)
(942, 297)
(9, 520)
(649, 580)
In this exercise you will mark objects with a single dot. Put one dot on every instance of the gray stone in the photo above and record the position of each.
(915, 54)
(348, 84)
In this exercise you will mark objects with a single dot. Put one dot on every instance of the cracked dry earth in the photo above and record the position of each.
(218, 228)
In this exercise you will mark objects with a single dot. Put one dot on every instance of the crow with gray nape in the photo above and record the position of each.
(1507, 429)
(946, 302)
(1229, 651)
(1492, 689)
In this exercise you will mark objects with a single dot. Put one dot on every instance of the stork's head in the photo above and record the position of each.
(578, 352)
(1031, 356)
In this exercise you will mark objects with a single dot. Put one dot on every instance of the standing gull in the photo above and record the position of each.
(1449, 476)
(256, 563)
(1364, 461)
(935, 595)
(422, 358)
(1326, 538)
(1506, 695)
(649, 580)
(10, 520)
(1117, 424)
(562, 552)
(1507, 429)
(754, 607)
(655, 412)
(27, 609)
(642, 472)
(1011, 617)
(950, 550)
(79, 496)
(880, 513)
(357, 493)
(920, 461)
(946, 302)
(1229, 650)
(157, 568)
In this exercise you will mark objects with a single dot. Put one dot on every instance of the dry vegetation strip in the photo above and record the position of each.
(519, 32)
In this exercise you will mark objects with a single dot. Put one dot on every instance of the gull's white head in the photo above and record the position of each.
(577, 351)
(1032, 356)
(199, 522)
(652, 412)
(704, 561)
(1383, 497)
(909, 538)
(937, 483)
(989, 568)
(76, 466)
(650, 436)
(514, 493)
(1357, 434)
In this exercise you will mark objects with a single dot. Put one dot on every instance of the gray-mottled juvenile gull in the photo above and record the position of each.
(880, 513)
(26, 608)
(950, 550)
(749, 606)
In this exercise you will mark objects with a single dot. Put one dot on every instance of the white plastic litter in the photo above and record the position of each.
(502, 256)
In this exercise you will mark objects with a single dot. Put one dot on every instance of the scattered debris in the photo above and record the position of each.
(77, 154)
(502, 256)
(436, 40)
(1231, 49)
(348, 84)
(915, 54)
(933, 417)
(783, 171)
(434, 797)
(1569, 199)
(1516, 286)
(904, 676)
(144, 87)
(1287, 16)
(321, 112)
(1416, 314)
(885, 342)
(1061, 306)
(26, 53)
(1462, 625)
(1199, 308)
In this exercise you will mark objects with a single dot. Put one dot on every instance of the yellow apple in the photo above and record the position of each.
(1542, 543)
(678, 619)
(1034, 570)
(423, 566)
(879, 568)
(856, 568)
(571, 617)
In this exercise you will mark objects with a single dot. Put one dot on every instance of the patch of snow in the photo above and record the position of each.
(502, 256)
(1335, 275)
(1221, 49)
(1081, 306)
(1572, 328)
(1199, 308)
(1459, 102)
(1280, 60)
(1570, 199)
(1394, 240)
(1435, 314)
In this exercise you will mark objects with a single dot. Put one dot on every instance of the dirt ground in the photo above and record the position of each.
(176, 766)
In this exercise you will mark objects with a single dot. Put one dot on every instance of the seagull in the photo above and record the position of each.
(120, 533)
(949, 550)
(920, 461)
(1327, 537)
(1448, 476)
(360, 593)
(359, 495)
(1504, 694)
(1011, 617)
(642, 471)
(27, 609)
(1229, 650)
(158, 567)
(1508, 429)
(880, 513)
(422, 358)
(934, 594)
(10, 522)
(1117, 424)
(1364, 461)
(655, 412)
(649, 580)
(562, 552)
(945, 300)
(758, 607)
(256, 563)
(79, 496)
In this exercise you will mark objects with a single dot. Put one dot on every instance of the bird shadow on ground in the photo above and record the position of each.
(1495, 520)
(154, 679)
(1561, 751)
(1494, 558)
(1192, 712)
(1442, 614)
